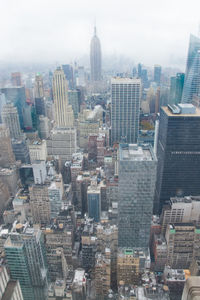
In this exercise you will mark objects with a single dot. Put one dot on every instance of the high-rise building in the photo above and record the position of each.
(137, 175)
(26, 261)
(178, 153)
(6, 152)
(95, 58)
(63, 112)
(192, 74)
(94, 201)
(40, 204)
(183, 244)
(125, 109)
(39, 95)
(9, 289)
(16, 79)
(68, 70)
(16, 95)
(10, 118)
(157, 74)
(176, 88)
(73, 98)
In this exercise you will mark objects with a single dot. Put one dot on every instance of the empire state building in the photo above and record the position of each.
(95, 58)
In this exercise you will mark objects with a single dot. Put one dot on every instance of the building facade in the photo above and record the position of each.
(137, 175)
(125, 109)
(95, 58)
(178, 153)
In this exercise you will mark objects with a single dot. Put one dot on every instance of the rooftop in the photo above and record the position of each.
(127, 80)
(182, 110)
(134, 152)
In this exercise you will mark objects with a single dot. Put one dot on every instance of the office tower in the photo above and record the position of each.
(38, 150)
(137, 175)
(80, 80)
(176, 88)
(2, 103)
(16, 95)
(68, 70)
(16, 79)
(178, 150)
(95, 58)
(94, 201)
(192, 288)
(40, 204)
(9, 289)
(55, 198)
(125, 109)
(139, 70)
(10, 118)
(26, 261)
(73, 98)
(183, 244)
(63, 112)
(144, 78)
(20, 150)
(6, 152)
(192, 73)
(39, 95)
(157, 74)
(44, 127)
(62, 143)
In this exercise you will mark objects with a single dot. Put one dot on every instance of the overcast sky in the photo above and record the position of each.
(147, 31)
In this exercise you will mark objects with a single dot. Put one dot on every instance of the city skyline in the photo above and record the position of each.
(72, 27)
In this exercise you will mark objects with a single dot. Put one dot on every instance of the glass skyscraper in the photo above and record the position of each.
(192, 74)
(137, 175)
(178, 153)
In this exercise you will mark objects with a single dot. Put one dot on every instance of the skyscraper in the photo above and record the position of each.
(95, 58)
(10, 118)
(137, 175)
(16, 79)
(178, 153)
(125, 109)
(63, 112)
(157, 74)
(26, 261)
(6, 152)
(192, 74)
(176, 88)
(39, 95)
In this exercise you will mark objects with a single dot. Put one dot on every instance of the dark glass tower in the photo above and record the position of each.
(178, 154)
(176, 88)
(95, 58)
(192, 74)
(157, 74)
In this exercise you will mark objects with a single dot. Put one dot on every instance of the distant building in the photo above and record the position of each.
(137, 175)
(73, 98)
(11, 119)
(95, 58)
(16, 95)
(6, 156)
(63, 111)
(125, 109)
(178, 152)
(157, 74)
(16, 79)
(176, 88)
(192, 73)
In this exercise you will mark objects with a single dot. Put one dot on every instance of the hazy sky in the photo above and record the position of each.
(149, 31)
